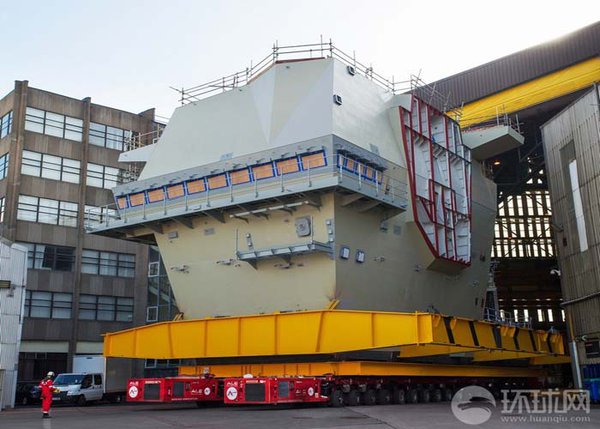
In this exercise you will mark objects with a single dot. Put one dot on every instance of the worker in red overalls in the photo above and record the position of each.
(46, 388)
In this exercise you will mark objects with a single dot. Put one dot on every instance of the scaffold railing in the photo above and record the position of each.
(319, 50)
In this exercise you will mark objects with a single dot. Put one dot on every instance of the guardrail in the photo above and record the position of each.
(314, 50)
(504, 317)
(338, 170)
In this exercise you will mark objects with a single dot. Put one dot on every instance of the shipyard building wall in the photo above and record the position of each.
(572, 146)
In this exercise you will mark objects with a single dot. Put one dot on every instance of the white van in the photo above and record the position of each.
(78, 388)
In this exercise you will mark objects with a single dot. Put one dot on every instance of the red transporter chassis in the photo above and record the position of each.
(337, 391)
(175, 389)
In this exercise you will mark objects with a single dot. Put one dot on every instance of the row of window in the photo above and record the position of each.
(45, 210)
(110, 137)
(2, 208)
(247, 175)
(6, 124)
(3, 166)
(62, 258)
(58, 305)
(50, 167)
(68, 170)
(55, 212)
(540, 314)
(107, 263)
(53, 124)
(67, 127)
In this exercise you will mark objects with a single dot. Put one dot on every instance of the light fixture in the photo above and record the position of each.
(496, 163)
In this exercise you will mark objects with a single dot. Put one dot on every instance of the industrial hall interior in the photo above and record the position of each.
(335, 195)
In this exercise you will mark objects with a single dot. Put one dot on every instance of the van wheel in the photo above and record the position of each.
(81, 401)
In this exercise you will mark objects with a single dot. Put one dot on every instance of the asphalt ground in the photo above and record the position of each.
(184, 416)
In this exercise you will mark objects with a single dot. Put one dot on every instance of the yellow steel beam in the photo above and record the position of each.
(358, 368)
(550, 360)
(320, 332)
(495, 355)
(431, 350)
(534, 92)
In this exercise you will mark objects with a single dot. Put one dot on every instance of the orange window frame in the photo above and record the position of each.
(196, 186)
(156, 195)
(263, 171)
(313, 160)
(288, 166)
(137, 199)
(122, 202)
(239, 176)
(217, 182)
(175, 191)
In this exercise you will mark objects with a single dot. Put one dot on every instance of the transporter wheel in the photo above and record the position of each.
(369, 397)
(424, 396)
(81, 401)
(336, 399)
(352, 398)
(447, 394)
(399, 396)
(384, 397)
(436, 395)
(412, 396)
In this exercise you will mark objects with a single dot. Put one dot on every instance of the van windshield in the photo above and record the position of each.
(66, 379)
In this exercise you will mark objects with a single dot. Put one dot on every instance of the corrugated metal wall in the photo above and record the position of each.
(522, 66)
(13, 267)
(575, 134)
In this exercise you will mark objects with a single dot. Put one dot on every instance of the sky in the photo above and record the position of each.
(127, 53)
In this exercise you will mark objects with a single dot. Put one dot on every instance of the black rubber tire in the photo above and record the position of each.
(399, 396)
(436, 395)
(352, 398)
(81, 401)
(384, 397)
(447, 394)
(412, 396)
(336, 399)
(369, 397)
(424, 396)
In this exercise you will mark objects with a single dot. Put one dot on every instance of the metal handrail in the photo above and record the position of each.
(504, 317)
(306, 51)
(388, 187)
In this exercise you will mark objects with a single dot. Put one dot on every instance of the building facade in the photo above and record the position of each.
(572, 146)
(59, 160)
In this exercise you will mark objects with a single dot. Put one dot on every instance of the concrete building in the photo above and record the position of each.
(572, 146)
(58, 159)
(13, 277)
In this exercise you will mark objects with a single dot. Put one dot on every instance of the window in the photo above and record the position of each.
(102, 176)
(47, 257)
(110, 137)
(108, 308)
(3, 166)
(107, 263)
(2, 207)
(53, 124)
(6, 124)
(50, 167)
(48, 305)
(44, 210)
(578, 206)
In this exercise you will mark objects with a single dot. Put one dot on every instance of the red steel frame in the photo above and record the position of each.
(413, 136)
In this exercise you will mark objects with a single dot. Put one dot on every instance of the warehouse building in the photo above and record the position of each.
(572, 146)
(526, 89)
(59, 160)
